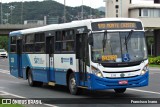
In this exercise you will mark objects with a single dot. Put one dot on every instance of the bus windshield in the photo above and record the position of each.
(116, 47)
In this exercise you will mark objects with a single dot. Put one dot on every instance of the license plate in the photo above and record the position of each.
(123, 82)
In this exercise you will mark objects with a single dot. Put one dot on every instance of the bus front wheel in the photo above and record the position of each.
(72, 85)
(31, 82)
(121, 90)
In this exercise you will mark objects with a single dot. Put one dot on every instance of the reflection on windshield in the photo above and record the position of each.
(116, 48)
(2, 50)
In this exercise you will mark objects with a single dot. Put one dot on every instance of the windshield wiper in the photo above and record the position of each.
(127, 39)
(104, 40)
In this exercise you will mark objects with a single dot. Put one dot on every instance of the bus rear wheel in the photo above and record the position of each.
(121, 90)
(72, 85)
(31, 82)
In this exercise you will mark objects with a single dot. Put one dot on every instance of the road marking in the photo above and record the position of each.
(151, 92)
(3, 94)
(50, 105)
(4, 71)
(14, 95)
(17, 96)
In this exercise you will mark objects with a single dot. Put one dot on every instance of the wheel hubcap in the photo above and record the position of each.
(73, 84)
(29, 78)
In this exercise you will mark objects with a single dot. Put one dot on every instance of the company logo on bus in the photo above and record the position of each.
(38, 60)
(70, 60)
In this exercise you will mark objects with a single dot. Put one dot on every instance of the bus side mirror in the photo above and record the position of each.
(90, 39)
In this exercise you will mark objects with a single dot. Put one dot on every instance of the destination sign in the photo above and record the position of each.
(97, 26)
(109, 57)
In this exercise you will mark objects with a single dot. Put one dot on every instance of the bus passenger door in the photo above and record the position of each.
(50, 51)
(81, 46)
(19, 57)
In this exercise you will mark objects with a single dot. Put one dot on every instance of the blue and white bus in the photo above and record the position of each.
(96, 54)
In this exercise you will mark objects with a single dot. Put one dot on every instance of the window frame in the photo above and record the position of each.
(13, 44)
(65, 32)
(28, 43)
(39, 42)
(142, 12)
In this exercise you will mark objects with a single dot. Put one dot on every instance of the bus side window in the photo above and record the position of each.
(39, 42)
(64, 41)
(29, 43)
(13, 44)
(68, 41)
(58, 41)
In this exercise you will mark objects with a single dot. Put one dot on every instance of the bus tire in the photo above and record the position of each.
(121, 90)
(31, 82)
(74, 90)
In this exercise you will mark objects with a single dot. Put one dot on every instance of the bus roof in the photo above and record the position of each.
(78, 23)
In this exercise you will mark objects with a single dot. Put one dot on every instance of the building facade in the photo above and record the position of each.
(149, 14)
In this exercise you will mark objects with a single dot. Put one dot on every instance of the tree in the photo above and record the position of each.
(4, 42)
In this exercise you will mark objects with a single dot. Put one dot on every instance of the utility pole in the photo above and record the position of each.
(11, 8)
(90, 10)
(82, 11)
(64, 11)
(22, 13)
(1, 13)
(7, 15)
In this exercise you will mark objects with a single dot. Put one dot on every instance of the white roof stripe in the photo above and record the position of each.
(78, 23)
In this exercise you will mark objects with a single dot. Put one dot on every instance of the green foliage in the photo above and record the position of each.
(10, 105)
(36, 10)
(154, 60)
(150, 40)
(4, 42)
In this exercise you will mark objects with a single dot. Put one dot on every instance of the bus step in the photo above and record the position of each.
(51, 83)
(82, 87)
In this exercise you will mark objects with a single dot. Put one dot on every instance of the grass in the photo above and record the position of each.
(153, 65)
(9, 105)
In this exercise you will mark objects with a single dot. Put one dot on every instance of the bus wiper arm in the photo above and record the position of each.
(104, 40)
(128, 37)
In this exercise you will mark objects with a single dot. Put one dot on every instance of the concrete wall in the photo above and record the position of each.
(134, 13)
(7, 28)
(122, 10)
(147, 21)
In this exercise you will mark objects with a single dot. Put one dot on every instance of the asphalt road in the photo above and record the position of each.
(11, 87)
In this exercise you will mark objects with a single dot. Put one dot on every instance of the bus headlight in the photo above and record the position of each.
(144, 70)
(96, 72)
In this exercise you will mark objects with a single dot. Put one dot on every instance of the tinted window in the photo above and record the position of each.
(65, 41)
(29, 48)
(13, 44)
(39, 37)
(30, 38)
(13, 40)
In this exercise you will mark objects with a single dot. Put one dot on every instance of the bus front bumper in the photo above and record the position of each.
(96, 83)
